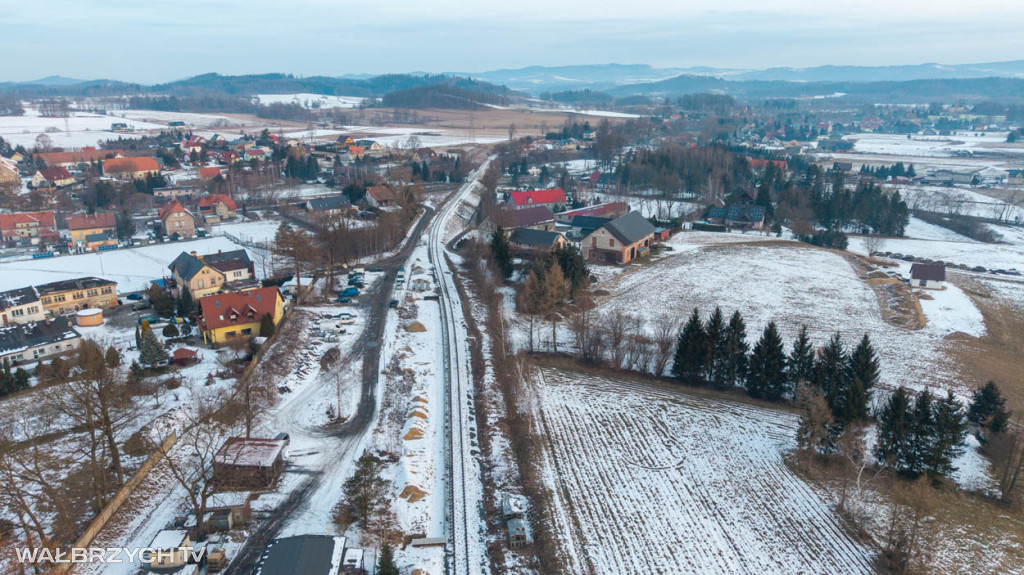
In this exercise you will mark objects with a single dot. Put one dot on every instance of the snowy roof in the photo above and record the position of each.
(302, 555)
(169, 539)
(250, 452)
(73, 284)
(15, 338)
(353, 558)
(16, 297)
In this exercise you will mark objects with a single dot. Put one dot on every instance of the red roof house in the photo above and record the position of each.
(552, 197)
(209, 173)
(27, 225)
(95, 221)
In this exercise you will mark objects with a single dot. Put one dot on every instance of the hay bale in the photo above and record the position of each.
(418, 413)
(415, 327)
(413, 493)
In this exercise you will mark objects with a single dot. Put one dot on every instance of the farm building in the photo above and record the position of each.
(619, 241)
(86, 155)
(536, 240)
(302, 555)
(329, 206)
(927, 276)
(245, 462)
(129, 169)
(610, 210)
(746, 217)
(583, 226)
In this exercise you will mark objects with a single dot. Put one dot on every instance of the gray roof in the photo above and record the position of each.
(299, 555)
(532, 216)
(589, 222)
(928, 272)
(328, 203)
(15, 338)
(77, 283)
(186, 265)
(16, 297)
(630, 228)
(532, 237)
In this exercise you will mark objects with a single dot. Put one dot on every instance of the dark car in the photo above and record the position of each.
(343, 299)
(350, 292)
(140, 306)
(375, 269)
(394, 303)
(134, 296)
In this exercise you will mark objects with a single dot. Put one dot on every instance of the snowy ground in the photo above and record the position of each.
(661, 209)
(86, 129)
(309, 100)
(132, 268)
(960, 200)
(640, 484)
(933, 146)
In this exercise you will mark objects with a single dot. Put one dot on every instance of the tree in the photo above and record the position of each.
(554, 291)
(691, 350)
(267, 327)
(186, 305)
(988, 408)
(736, 350)
(863, 370)
(501, 251)
(714, 332)
(800, 363)
(387, 561)
(896, 427)
(170, 330)
(574, 268)
(162, 303)
(295, 247)
(767, 376)
(126, 227)
(833, 378)
(151, 352)
(816, 422)
(364, 492)
(112, 357)
(950, 432)
(666, 334)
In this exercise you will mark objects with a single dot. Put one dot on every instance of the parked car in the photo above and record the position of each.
(134, 296)
(140, 306)
(148, 317)
(346, 319)
(394, 303)
(350, 292)
(376, 269)
(343, 299)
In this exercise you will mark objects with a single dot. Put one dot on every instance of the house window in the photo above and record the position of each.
(17, 312)
(93, 293)
(611, 243)
(922, 283)
(77, 295)
(231, 333)
(108, 290)
(247, 331)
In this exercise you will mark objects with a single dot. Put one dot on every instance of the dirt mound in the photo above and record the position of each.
(415, 327)
(418, 413)
(413, 493)
(413, 434)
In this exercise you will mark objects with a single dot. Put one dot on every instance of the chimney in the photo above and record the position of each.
(194, 254)
(218, 252)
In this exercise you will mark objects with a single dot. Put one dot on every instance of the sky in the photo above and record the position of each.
(151, 41)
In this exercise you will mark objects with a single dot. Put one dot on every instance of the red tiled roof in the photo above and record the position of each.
(10, 221)
(209, 173)
(213, 200)
(84, 155)
(170, 208)
(539, 197)
(100, 220)
(356, 150)
(217, 309)
(55, 174)
(139, 164)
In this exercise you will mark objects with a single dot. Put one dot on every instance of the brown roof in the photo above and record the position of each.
(100, 220)
(9, 221)
(532, 216)
(246, 307)
(208, 173)
(139, 164)
(82, 156)
(214, 199)
(932, 273)
(55, 174)
(381, 193)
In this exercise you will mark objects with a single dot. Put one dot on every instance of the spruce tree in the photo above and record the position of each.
(152, 351)
(864, 368)
(387, 561)
(800, 363)
(895, 430)
(923, 435)
(138, 337)
(267, 327)
(714, 333)
(502, 252)
(950, 431)
(767, 375)
(988, 408)
(832, 377)
(736, 350)
(186, 305)
(691, 351)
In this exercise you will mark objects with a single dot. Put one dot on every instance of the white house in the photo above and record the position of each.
(927, 276)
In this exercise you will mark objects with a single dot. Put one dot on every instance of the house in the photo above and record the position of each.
(302, 555)
(380, 196)
(128, 169)
(83, 225)
(609, 210)
(255, 154)
(583, 226)
(171, 550)
(86, 155)
(619, 241)
(175, 192)
(176, 124)
(537, 218)
(52, 178)
(225, 316)
(33, 341)
(518, 534)
(64, 296)
(9, 173)
(120, 127)
(356, 152)
(177, 220)
(32, 226)
(249, 462)
(329, 206)
(553, 199)
(927, 276)
(209, 274)
(97, 242)
(536, 240)
(216, 207)
(20, 305)
(745, 217)
(210, 172)
(1016, 178)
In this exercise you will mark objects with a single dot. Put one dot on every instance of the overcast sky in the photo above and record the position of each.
(160, 40)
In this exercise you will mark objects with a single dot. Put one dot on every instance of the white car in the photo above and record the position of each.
(346, 319)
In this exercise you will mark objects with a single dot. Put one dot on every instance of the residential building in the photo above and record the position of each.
(86, 155)
(609, 210)
(9, 173)
(249, 462)
(536, 240)
(302, 555)
(619, 241)
(225, 316)
(21, 343)
(128, 169)
(553, 199)
(329, 206)
(177, 220)
(380, 196)
(83, 225)
(210, 172)
(96, 242)
(537, 218)
(28, 225)
(20, 306)
(216, 207)
(52, 178)
(745, 216)
(255, 154)
(171, 550)
(583, 226)
(64, 296)
(209, 274)
(927, 276)
(175, 192)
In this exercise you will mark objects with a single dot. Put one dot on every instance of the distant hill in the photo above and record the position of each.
(54, 81)
(537, 79)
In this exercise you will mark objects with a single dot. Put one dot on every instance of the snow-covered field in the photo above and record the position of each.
(192, 120)
(795, 286)
(86, 129)
(641, 484)
(968, 252)
(959, 200)
(932, 146)
(132, 269)
(310, 100)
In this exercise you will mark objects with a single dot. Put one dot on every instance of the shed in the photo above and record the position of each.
(927, 276)
(518, 533)
(513, 507)
(352, 564)
(250, 461)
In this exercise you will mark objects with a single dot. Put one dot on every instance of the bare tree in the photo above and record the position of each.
(615, 326)
(666, 336)
(873, 244)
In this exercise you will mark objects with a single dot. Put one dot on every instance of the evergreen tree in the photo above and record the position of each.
(112, 357)
(767, 376)
(267, 327)
(186, 305)
(138, 336)
(151, 351)
(895, 430)
(864, 371)
(574, 268)
(950, 432)
(923, 435)
(387, 561)
(988, 408)
(764, 198)
(170, 330)
(800, 363)
(21, 379)
(736, 350)
(502, 252)
(691, 352)
(832, 377)
(714, 361)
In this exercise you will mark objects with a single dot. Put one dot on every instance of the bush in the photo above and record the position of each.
(170, 330)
